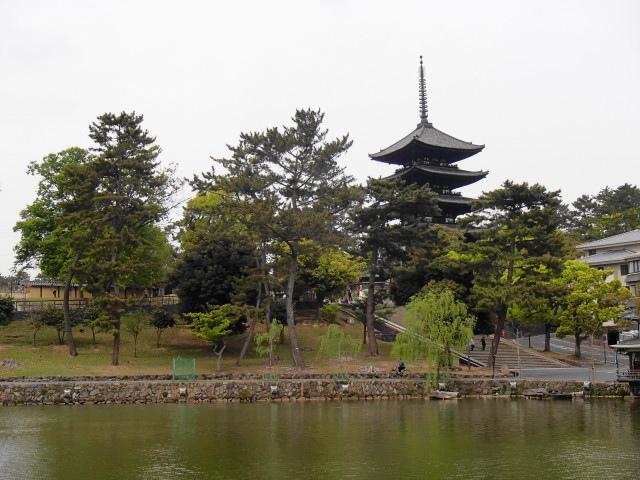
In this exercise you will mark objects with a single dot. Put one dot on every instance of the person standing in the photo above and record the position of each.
(483, 342)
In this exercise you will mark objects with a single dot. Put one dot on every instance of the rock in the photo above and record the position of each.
(536, 392)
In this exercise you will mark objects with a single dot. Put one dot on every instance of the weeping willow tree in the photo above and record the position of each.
(337, 344)
(436, 324)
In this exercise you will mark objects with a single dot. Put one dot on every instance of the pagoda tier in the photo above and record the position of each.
(427, 144)
(439, 178)
(427, 156)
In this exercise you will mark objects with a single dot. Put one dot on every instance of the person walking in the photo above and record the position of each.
(483, 342)
(472, 345)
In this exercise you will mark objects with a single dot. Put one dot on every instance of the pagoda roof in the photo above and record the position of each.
(429, 140)
(451, 176)
(454, 200)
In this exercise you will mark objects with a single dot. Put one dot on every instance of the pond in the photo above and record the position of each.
(467, 438)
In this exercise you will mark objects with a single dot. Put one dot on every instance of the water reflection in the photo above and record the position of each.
(471, 438)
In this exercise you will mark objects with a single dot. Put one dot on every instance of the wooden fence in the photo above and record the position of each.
(28, 306)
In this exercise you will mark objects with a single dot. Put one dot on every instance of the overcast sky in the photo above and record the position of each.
(552, 88)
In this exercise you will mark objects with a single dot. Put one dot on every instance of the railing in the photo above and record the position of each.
(629, 376)
(28, 306)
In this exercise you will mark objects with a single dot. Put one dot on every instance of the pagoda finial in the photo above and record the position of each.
(422, 97)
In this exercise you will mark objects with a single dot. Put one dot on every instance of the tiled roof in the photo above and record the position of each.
(609, 257)
(632, 236)
(454, 199)
(426, 134)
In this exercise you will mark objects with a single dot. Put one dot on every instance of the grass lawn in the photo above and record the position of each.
(48, 358)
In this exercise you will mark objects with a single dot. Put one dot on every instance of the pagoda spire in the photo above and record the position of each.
(422, 96)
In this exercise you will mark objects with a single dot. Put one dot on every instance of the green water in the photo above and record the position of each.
(468, 438)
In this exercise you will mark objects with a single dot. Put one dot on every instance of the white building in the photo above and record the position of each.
(620, 253)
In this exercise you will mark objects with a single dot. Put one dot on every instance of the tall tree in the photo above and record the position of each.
(290, 179)
(217, 252)
(589, 300)
(610, 212)
(517, 234)
(391, 217)
(131, 196)
(56, 228)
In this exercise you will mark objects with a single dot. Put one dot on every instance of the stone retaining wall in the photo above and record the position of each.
(200, 391)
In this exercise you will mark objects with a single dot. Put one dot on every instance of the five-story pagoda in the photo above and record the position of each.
(427, 156)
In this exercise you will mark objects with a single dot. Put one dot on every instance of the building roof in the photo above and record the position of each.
(427, 136)
(610, 257)
(45, 282)
(632, 344)
(632, 278)
(625, 238)
(450, 176)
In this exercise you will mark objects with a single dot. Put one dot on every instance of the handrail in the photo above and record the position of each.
(400, 328)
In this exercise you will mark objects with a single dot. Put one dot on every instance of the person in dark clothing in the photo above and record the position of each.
(401, 367)
(483, 342)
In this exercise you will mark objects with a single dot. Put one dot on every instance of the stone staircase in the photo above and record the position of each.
(508, 356)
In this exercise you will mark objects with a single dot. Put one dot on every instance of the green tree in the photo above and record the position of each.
(336, 344)
(391, 217)
(54, 318)
(56, 228)
(328, 271)
(517, 238)
(588, 302)
(36, 322)
(161, 319)
(217, 252)
(134, 323)
(6, 308)
(132, 195)
(215, 325)
(264, 341)
(436, 324)
(610, 212)
(292, 186)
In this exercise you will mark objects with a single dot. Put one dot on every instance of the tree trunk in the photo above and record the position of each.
(578, 340)
(115, 354)
(73, 351)
(371, 304)
(218, 353)
(501, 318)
(364, 333)
(547, 337)
(267, 318)
(501, 314)
(34, 338)
(135, 346)
(158, 333)
(298, 361)
(93, 334)
(252, 327)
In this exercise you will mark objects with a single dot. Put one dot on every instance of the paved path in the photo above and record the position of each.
(601, 373)
(566, 346)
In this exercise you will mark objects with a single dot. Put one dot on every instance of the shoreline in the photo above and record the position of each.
(145, 390)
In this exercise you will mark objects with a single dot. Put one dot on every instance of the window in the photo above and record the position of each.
(592, 252)
(635, 266)
(624, 269)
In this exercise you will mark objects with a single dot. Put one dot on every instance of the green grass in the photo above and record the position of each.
(48, 358)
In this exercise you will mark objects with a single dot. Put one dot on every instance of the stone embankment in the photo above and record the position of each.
(124, 390)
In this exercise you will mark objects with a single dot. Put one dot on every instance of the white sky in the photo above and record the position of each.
(552, 88)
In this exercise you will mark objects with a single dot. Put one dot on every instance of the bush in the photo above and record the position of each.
(336, 344)
(6, 308)
(329, 312)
